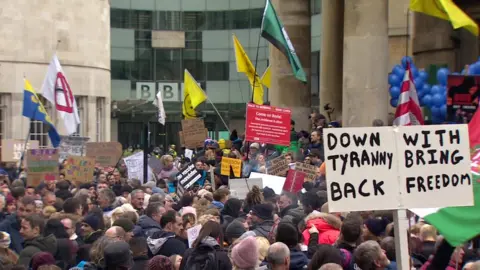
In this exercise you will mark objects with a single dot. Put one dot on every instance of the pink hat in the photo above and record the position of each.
(245, 253)
(189, 210)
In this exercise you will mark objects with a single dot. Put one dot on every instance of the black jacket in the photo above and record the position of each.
(166, 244)
(140, 263)
(221, 255)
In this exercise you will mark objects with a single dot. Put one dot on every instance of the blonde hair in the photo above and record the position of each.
(205, 218)
(428, 232)
(48, 211)
(121, 210)
(165, 158)
(415, 229)
(263, 245)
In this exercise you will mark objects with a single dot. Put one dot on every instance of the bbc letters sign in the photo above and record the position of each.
(148, 90)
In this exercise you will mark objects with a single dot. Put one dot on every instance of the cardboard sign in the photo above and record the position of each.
(294, 181)
(72, 146)
(234, 163)
(155, 164)
(274, 182)
(79, 169)
(385, 168)
(188, 176)
(193, 132)
(241, 186)
(192, 234)
(42, 165)
(182, 141)
(462, 94)
(105, 153)
(309, 170)
(134, 165)
(12, 149)
(278, 166)
(266, 124)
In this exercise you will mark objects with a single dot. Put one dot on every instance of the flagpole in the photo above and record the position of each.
(256, 62)
(221, 118)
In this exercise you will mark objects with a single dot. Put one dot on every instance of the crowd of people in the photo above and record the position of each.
(116, 222)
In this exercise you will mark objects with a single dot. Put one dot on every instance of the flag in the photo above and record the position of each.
(272, 30)
(244, 65)
(193, 95)
(474, 130)
(34, 110)
(446, 10)
(158, 102)
(56, 89)
(266, 77)
(408, 109)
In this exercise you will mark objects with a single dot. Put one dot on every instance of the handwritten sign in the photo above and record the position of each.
(234, 163)
(192, 234)
(105, 153)
(386, 168)
(79, 169)
(278, 166)
(309, 170)
(72, 146)
(193, 133)
(188, 176)
(242, 186)
(42, 165)
(12, 149)
(134, 165)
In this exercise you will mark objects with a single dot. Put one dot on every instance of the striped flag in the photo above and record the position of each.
(408, 109)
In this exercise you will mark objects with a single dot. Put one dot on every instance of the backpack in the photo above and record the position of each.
(203, 258)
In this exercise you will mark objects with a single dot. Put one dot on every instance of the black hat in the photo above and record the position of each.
(268, 193)
(125, 223)
(234, 230)
(263, 211)
(117, 254)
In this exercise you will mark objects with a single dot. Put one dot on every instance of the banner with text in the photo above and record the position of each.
(72, 146)
(266, 124)
(193, 133)
(12, 149)
(234, 164)
(42, 165)
(186, 178)
(278, 166)
(105, 153)
(134, 165)
(381, 168)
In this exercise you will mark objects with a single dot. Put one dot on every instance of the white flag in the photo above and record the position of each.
(56, 89)
(161, 111)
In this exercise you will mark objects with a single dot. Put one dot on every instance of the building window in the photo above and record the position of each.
(4, 101)
(38, 129)
(193, 21)
(142, 19)
(217, 71)
(100, 119)
(240, 19)
(143, 39)
(119, 18)
(316, 6)
(168, 64)
(82, 103)
(120, 70)
(142, 68)
(217, 20)
(256, 16)
(168, 20)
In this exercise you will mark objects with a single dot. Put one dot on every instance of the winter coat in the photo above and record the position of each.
(89, 239)
(11, 225)
(166, 244)
(36, 245)
(140, 263)
(298, 259)
(327, 225)
(148, 226)
(221, 256)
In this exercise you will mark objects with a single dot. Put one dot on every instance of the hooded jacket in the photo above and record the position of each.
(36, 245)
(328, 227)
(148, 226)
(166, 244)
(298, 259)
(221, 256)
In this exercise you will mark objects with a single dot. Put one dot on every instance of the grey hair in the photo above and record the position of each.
(109, 194)
(157, 197)
(366, 254)
(277, 253)
(135, 192)
(330, 266)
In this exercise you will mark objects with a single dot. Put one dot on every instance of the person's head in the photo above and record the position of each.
(101, 185)
(160, 262)
(188, 221)
(210, 229)
(116, 233)
(325, 254)
(369, 256)
(171, 222)
(32, 226)
(234, 230)
(96, 251)
(127, 225)
(428, 233)
(199, 165)
(287, 199)
(176, 261)
(55, 227)
(260, 213)
(388, 244)
(221, 195)
(25, 207)
(90, 223)
(315, 156)
(30, 191)
(472, 266)
(245, 254)
(351, 229)
(42, 260)
(106, 197)
(331, 266)
(117, 256)
(18, 192)
(49, 199)
(278, 256)
(374, 228)
(289, 158)
(311, 201)
(168, 202)
(137, 198)
(316, 136)
(263, 245)
(155, 211)
(138, 246)
(261, 159)
(167, 162)
(69, 226)
(287, 233)
(73, 206)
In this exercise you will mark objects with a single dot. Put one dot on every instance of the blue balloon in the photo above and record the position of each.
(415, 72)
(435, 111)
(436, 89)
(394, 92)
(399, 71)
(405, 60)
(438, 100)
(474, 69)
(442, 76)
(418, 83)
(443, 110)
(455, 73)
(426, 88)
(393, 102)
(443, 90)
(427, 100)
(394, 80)
(424, 75)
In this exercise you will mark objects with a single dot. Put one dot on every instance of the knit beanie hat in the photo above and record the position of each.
(42, 258)
(125, 223)
(92, 220)
(376, 225)
(245, 253)
(160, 262)
(5, 240)
(117, 254)
(234, 230)
(263, 211)
(268, 193)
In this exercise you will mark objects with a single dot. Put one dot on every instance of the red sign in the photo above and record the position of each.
(266, 124)
(294, 181)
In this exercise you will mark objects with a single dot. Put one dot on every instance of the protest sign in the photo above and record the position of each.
(234, 163)
(294, 181)
(72, 146)
(193, 132)
(12, 149)
(385, 168)
(155, 164)
(277, 166)
(134, 165)
(242, 186)
(462, 96)
(274, 182)
(188, 176)
(268, 124)
(79, 169)
(309, 170)
(192, 234)
(105, 153)
(42, 165)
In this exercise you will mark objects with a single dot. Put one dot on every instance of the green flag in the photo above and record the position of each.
(273, 31)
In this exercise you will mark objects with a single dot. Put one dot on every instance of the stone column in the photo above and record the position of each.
(331, 57)
(365, 62)
(286, 90)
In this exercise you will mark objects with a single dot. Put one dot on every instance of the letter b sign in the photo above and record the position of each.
(146, 91)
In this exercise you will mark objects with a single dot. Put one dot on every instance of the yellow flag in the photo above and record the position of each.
(193, 95)
(266, 77)
(244, 65)
(446, 10)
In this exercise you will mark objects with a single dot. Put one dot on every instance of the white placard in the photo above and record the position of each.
(189, 154)
(134, 165)
(381, 168)
(434, 165)
(192, 234)
(241, 186)
(271, 181)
